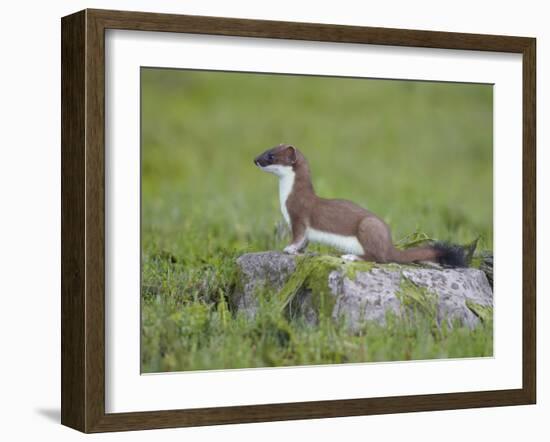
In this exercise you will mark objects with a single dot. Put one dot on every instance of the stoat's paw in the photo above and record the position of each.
(350, 258)
(291, 249)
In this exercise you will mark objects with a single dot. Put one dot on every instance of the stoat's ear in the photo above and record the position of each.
(291, 154)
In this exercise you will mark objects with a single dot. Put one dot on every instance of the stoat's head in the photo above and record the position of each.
(279, 160)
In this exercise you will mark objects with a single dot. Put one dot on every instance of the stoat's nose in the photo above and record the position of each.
(258, 161)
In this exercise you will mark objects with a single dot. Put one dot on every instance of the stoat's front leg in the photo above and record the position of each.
(295, 248)
(299, 239)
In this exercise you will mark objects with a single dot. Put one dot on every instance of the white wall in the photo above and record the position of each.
(30, 233)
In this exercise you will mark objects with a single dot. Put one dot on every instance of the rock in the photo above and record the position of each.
(308, 286)
(486, 265)
(271, 269)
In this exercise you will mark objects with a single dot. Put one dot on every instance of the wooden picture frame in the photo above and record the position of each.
(83, 220)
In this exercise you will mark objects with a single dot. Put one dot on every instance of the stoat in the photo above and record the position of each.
(360, 234)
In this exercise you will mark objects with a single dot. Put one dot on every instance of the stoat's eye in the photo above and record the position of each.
(270, 157)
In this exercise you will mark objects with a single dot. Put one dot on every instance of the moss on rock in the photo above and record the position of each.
(312, 273)
(483, 312)
(418, 300)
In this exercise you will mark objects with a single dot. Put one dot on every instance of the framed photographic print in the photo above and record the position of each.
(270, 220)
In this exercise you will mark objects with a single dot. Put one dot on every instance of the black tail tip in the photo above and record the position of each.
(451, 255)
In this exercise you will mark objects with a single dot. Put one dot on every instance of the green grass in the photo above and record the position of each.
(200, 336)
(418, 154)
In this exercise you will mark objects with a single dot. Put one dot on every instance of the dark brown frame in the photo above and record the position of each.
(83, 217)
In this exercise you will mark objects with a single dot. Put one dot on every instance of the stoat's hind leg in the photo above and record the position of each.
(351, 258)
(375, 238)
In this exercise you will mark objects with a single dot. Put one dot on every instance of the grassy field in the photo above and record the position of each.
(418, 154)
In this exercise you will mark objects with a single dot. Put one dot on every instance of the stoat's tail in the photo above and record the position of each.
(443, 253)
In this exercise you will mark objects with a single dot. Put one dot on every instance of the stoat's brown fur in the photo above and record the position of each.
(340, 223)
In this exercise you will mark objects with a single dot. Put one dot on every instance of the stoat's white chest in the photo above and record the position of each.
(286, 183)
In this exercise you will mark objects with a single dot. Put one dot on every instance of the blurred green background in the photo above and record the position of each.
(418, 154)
